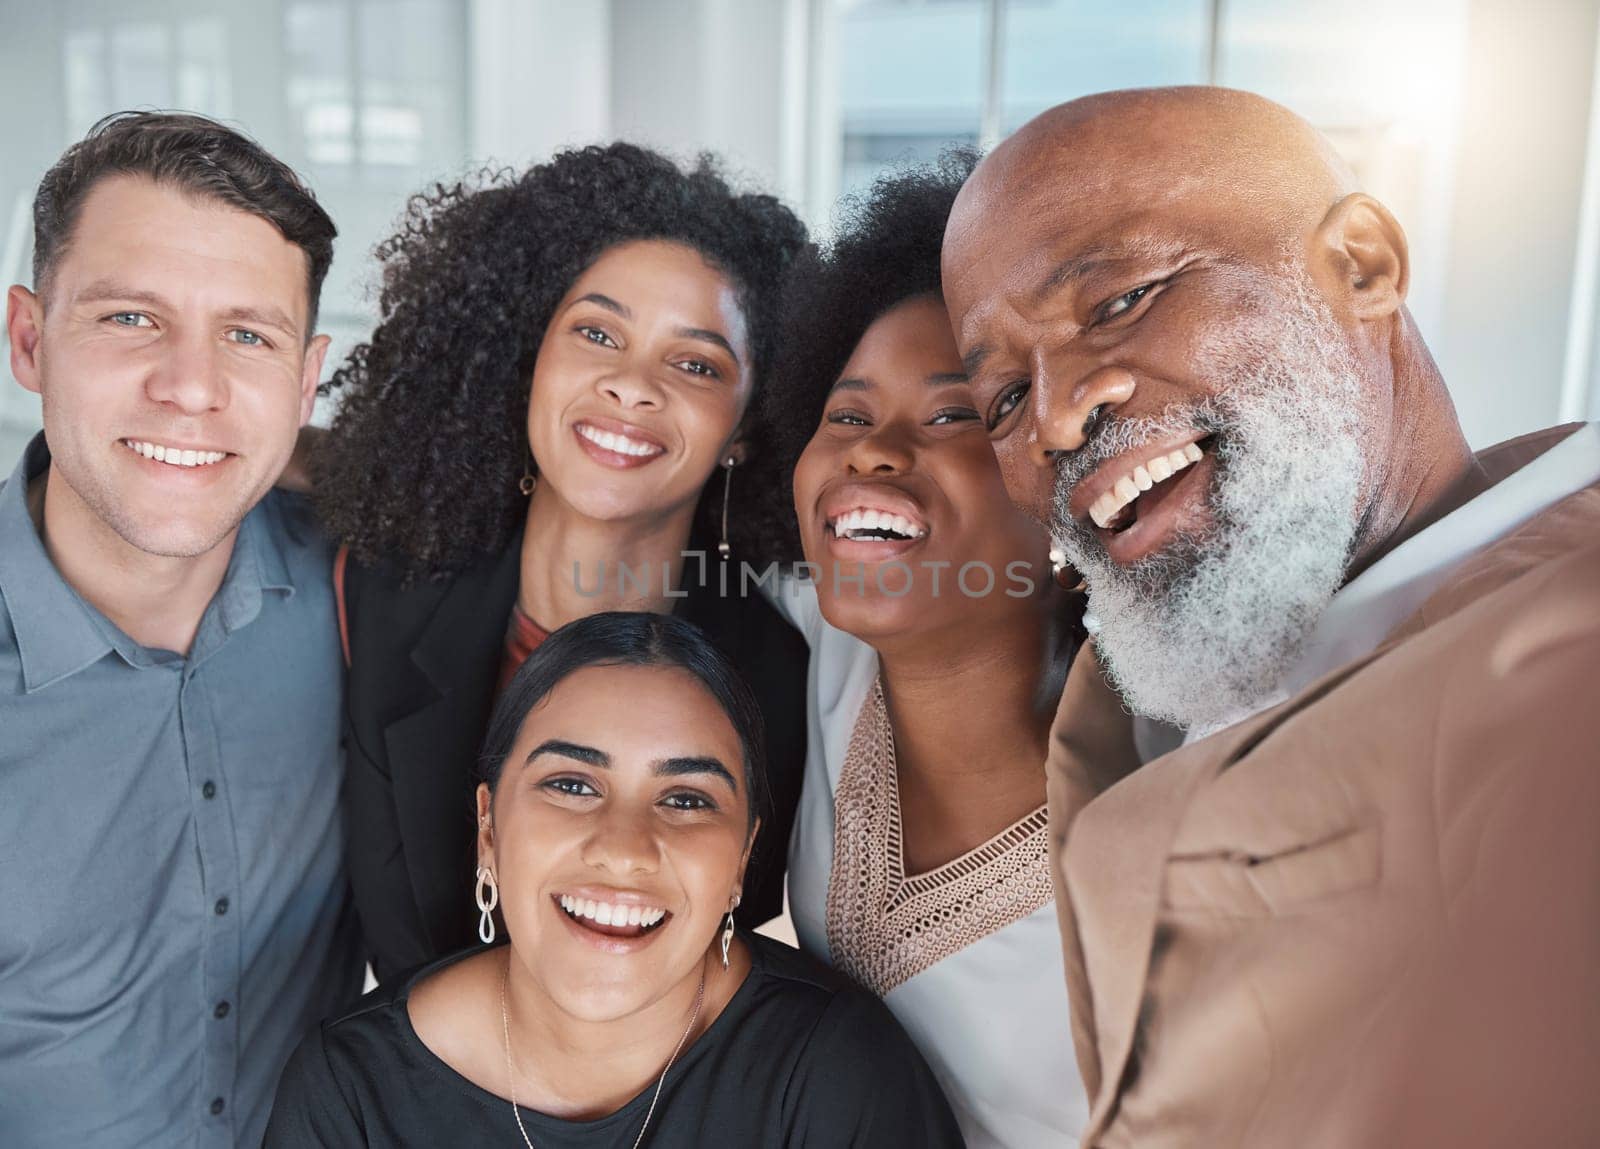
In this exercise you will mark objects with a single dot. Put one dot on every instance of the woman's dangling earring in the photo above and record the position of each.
(526, 483)
(486, 904)
(723, 548)
(727, 932)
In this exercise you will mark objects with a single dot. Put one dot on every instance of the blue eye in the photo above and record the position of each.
(130, 319)
(247, 338)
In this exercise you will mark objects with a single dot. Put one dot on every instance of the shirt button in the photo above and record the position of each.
(217, 1106)
(221, 906)
(209, 790)
(221, 1011)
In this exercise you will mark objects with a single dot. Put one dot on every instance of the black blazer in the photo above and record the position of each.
(424, 664)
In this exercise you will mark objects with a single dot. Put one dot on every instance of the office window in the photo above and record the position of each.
(910, 81)
(1058, 50)
(375, 88)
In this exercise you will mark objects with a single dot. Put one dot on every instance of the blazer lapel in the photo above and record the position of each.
(1113, 870)
(1114, 864)
(1091, 748)
(454, 667)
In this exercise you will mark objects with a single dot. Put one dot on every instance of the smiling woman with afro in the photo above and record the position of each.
(564, 409)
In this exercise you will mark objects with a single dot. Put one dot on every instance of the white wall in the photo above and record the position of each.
(1506, 311)
(540, 77)
(693, 75)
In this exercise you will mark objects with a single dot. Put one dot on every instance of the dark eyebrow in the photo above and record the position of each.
(269, 317)
(973, 359)
(850, 383)
(666, 767)
(623, 310)
(588, 755)
(606, 302)
(110, 291)
(677, 767)
(947, 378)
(1069, 271)
(709, 336)
(1086, 263)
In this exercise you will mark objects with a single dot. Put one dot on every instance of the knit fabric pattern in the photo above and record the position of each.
(884, 928)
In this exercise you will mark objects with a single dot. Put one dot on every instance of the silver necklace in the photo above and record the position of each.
(511, 1076)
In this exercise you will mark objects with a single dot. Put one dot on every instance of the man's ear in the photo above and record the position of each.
(1359, 256)
(311, 375)
(24, 330)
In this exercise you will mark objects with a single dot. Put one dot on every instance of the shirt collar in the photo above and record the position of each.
(59, 634)
(1391, 590)
(56, 631)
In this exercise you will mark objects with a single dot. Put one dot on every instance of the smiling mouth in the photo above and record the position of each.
(1145, 484)
(874, 526)
(173, 456)
(620, 444)
(613, 919)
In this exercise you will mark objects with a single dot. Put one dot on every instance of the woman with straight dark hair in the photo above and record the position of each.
(615, 820)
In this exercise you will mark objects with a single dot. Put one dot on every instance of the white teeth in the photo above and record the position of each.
(860, 521)
(611, 914)
(1142, 478)
(174, 456)
(618, 443)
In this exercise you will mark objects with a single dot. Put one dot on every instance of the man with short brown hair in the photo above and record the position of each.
(1361, 904)
(173, 905)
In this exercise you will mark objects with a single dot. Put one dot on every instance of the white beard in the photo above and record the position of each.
(1204, 631)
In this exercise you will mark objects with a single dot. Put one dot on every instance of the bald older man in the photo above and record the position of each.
(1360, 905)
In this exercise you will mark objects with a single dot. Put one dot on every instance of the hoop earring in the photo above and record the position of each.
(727, 932)
(1063, 573)
(728, 465)
(487, 905)
(527, 482)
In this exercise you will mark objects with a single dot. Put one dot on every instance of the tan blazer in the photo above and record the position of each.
(1369, 916)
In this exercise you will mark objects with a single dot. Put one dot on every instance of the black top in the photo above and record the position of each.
(799, 1057)
(424, 665)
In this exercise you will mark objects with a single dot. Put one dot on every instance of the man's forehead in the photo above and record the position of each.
(1029, 250)
(134, 230)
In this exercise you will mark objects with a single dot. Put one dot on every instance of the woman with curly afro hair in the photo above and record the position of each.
(564, 407)
(940, 638)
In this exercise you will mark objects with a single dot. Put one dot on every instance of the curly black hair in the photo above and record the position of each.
(885, 250)
(422, 465)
